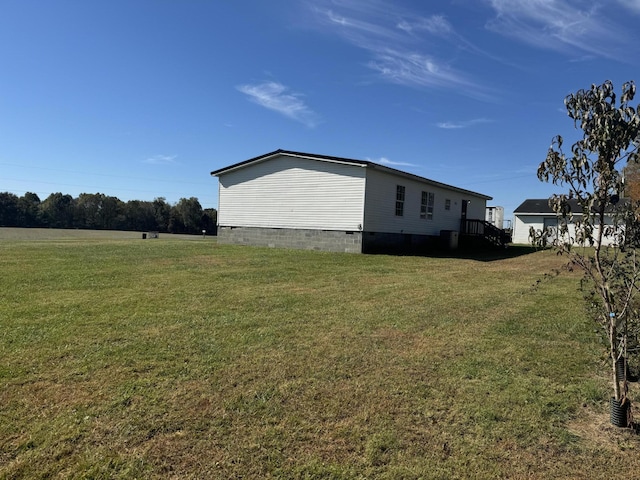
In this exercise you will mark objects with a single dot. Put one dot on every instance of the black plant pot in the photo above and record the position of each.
(620, 412)
(620, 365)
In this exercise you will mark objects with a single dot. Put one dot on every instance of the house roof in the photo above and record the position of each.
(540, 206)
(345, 161)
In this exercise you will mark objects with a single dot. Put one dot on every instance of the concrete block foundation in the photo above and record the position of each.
(328, 240)
(325, 240)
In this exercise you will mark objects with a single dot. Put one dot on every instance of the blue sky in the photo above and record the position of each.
(143, 99)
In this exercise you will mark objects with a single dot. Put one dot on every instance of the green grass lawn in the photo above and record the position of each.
(170, 358)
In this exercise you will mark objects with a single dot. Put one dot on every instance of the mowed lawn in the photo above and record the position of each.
(173, 358)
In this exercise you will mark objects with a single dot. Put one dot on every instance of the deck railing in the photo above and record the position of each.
(482, 228)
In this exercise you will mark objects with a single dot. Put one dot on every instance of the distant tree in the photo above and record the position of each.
(57, 211)
(210, 220)
(111, 217)
(99, 211)
(87, 211)
(162, 214)
(140, 215)
(175, 222)
(29, 210)
(187, 213)
(8, 209)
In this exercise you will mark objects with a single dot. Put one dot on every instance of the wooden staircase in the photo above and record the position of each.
(481, 231)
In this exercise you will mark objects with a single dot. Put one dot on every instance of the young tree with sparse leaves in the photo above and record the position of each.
(601, 237)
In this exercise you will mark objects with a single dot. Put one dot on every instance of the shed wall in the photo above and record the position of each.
(522, 224)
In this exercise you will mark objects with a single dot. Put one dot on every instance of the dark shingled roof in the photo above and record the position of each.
(535, 205)
(541, 206)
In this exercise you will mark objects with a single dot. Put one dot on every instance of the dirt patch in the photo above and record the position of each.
(595, 430)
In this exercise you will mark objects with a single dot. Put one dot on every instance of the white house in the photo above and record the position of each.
(538, 214)
(308, 201)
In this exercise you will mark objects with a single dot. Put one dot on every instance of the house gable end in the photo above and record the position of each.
(292, 192)
(345, 161)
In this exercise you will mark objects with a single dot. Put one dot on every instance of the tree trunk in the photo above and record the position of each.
(614, 354)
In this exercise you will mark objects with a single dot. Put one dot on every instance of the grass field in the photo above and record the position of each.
(176, 358)
(42, 234)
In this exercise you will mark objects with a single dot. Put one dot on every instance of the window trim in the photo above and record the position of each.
(400, 197)
(427, 202)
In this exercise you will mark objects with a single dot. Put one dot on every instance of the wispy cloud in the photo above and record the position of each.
(568, 26)
(418, 70)
(463, 124)
(357, 29)
(391, 163)
(162, 160)
(631, 4)
(403, 47)
(435, 24)
(277, 97)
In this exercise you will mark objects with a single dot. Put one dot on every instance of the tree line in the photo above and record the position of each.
(97, 211)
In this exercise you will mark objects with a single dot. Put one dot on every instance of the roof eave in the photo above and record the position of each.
(435, 183)
(288, 153)
(346, 161)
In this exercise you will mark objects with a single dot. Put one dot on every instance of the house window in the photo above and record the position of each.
(399, 200)
(447, 204)
(426, 206)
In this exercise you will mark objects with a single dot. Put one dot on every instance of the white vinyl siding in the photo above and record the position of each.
(290, 192)
(523, 222)
(380, 205)
(521, 227)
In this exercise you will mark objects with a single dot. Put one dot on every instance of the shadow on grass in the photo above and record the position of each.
(488, 254)
(469, 253)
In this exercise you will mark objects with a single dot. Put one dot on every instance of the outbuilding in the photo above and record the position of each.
(536, 214)
(309, 201)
